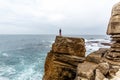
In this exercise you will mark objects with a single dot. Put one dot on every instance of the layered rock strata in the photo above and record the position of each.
(61, 62)
(97, 67)
(114, 31)
(104, 63)
(67, 61)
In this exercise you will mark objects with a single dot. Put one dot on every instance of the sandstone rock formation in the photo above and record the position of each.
(67, 61)
(114, 31)
(97, 66)
(104, 63)
(61, 62)
(113, 26)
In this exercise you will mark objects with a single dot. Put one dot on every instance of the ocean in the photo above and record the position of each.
(22, 57)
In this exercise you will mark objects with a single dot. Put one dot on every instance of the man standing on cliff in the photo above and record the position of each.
(60, 32)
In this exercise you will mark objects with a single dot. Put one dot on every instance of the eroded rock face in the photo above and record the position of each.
(69, 46)
(97, 56)
(86, 70)
(66, 60)
(97, 66)
(99, 75)
(114, 30)
(114, 23)
(61, 62)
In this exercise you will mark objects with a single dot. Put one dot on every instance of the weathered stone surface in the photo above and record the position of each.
(114, 30)
(111, 62)
(97, 56)
(115, 50)
(60, 65)
(116, 9)
(115, 36)
(99, 75)
(115, 45)
(80, 78)
(114, 23)
(117, 76)
(71, 60)
(60, 68)
(115, 56)
(113, 71)
(86, 70)
(99, 64)
(70, 46)
(115, 39)
(103, 67)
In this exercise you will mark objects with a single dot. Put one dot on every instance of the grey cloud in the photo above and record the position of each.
(39, 17)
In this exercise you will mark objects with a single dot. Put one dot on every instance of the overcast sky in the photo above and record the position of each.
(47, 16)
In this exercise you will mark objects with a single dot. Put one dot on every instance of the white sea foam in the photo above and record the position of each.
(5, 54)
(7, 70)
(29, 74)
(95, 44)
(4, 78)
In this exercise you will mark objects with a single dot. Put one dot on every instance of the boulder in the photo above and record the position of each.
(86, 70)
(99, 75)
(103, 67)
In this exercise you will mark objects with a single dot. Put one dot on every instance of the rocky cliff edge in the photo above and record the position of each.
(67, 61)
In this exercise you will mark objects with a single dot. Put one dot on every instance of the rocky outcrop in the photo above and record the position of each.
(67, 61)
(61, 62)
(72, 65)
(104, 63)
(97, 66)
(86, 71)
(114, 31)
(113, 26)
(69, 46)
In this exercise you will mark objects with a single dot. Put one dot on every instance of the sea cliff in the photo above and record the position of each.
(61, 62)
(67, 60)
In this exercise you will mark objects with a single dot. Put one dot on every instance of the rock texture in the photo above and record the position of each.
(69, 46)
(97, 66)
(86, 70)
(114, 23)
(67, 61)
(114, 31)
(104, 63)
(61, 62)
